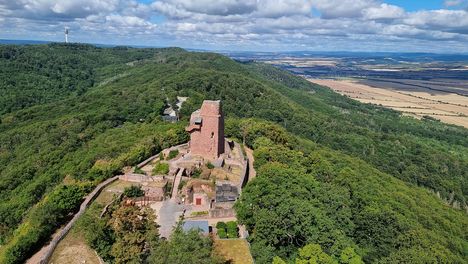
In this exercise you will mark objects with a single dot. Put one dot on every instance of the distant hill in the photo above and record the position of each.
(332, 171)
(22, 42)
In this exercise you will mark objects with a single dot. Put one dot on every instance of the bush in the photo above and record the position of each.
(172, 154)
(231, 225)
(232, 233)
(133, 191)
(221, 225)
(181, 185)
(196, 173)
(210, 166)
(161, 168)
(232, 230)
(227, 230)
(222, 233)
(139, 170)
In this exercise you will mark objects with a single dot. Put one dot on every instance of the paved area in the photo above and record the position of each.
(168, 213)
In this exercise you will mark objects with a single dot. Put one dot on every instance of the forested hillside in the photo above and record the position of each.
(37, 75)
(356, 176)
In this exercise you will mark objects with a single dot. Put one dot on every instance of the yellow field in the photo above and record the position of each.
(73, 249)
(236, 250)
(446, 107)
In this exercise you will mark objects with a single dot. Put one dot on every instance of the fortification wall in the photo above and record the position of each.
(53, 244)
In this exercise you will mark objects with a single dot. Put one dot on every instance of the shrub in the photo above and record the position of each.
(161, 168)
(139, 170)
(181, 185)
(172, 154)
(231, 225)
(222, 233)
(221, 225)
(196, 173)
(133, 191)
(232, 230)
(209, 165)
(232, 233)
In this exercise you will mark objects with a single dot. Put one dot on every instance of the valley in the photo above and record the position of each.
(445, 106)
(418, 85)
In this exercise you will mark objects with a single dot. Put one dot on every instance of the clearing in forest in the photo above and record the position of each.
(236, 250)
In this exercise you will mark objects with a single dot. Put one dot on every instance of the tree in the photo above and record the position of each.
(135, 232)
(133, 191)
(348, 256)
(278, 260)
(160, 168)
(313, 254)
(184, 247)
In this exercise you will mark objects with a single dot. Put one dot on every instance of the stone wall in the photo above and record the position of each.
(222, 213)
(53, 244)
(245, 168)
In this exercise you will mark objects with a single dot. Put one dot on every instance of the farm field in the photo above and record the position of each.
(447, 107)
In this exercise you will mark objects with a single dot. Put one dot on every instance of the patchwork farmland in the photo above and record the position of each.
(447, 106)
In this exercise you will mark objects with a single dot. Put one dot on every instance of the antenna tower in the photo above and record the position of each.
(66, 35)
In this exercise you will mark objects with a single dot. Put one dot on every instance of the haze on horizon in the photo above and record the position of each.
(436, 26)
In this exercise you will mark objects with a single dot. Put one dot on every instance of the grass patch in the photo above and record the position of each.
(73, 249)
(139, 170)
(172, 154)
(200, 213)
(235, 250)
(160, 168)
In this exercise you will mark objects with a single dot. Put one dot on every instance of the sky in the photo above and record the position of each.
(439, 26)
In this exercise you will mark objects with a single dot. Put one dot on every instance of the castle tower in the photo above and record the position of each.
(207, 131)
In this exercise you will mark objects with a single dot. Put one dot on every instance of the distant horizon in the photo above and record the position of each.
(38, 42)
(430, 26)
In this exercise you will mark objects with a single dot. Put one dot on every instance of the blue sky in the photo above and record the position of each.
(263, 25)
(415, 5)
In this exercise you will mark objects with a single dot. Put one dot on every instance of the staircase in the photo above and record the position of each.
(175, 186)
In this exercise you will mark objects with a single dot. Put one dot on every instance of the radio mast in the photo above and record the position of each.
(66, 35)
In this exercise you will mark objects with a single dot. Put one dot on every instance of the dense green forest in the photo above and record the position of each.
(355, 177)
(308, 194)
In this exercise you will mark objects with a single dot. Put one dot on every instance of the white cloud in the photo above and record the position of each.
(279, 8)
(384, 11)
(454, 3)
(209, 7)
(342, 8)
(128, 21)
(284, 24)
(445, 20)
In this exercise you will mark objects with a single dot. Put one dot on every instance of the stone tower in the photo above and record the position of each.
(207, 131)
